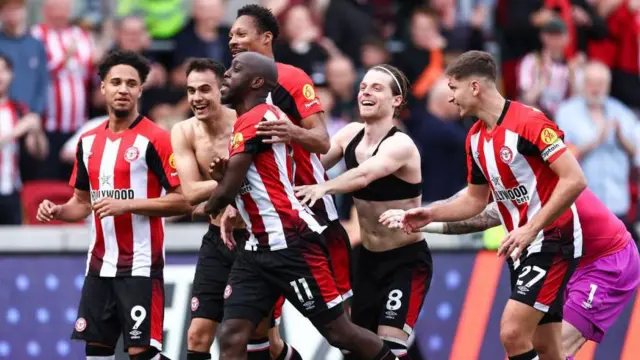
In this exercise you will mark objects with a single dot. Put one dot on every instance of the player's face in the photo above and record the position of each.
(244, 36)
(375, 99)
(6, 75)
(122, 88)
(203, 93)
(235, 82)
(463, 95)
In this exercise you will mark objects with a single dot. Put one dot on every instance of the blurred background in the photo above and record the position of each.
(576, 60)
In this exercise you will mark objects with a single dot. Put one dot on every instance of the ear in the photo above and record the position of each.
(257, 82)
(268, 38)
(397, 101)
(475, 87)
(102, 90)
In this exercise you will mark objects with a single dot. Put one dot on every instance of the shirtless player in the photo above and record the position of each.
(196, 142)
(394, 269)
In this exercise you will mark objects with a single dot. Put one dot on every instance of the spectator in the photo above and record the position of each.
(204, 36)
(601, 131)
(29, 60)
(12, 127)
(345, 24)
(341, 79)
(70, 64)
(422, 60)
(300, 47)
(621, 49)
(164, 19)
(546, 77)
(440, 136)
(373, 52)
(461, 34)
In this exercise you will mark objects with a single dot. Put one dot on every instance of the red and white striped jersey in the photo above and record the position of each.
(514, 160)
(135, 164)
(10, 113)
(266, 200)
(69, 78)
(296, 97)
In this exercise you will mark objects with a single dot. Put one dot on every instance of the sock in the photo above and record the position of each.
(149, 354)
(385, 354)
(258, 349)
(289, 353)
(529, 355)
(197, 355)
(99, 352)
(398, 347)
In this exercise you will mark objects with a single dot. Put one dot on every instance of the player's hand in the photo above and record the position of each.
(309, 194)
(414, 219)
(198, 212)
(392, 218)
(217, 168)
(47, 211)
(110, 207)
(516, 242)
(226, 226)
(278, 131)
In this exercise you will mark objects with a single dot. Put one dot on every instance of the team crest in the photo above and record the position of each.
(195, 303)
(506, 155)
(131, 154)
(227, 292)
(548, 136)
(236, 141)
(81, 324)
(172, 161)
(308, 92)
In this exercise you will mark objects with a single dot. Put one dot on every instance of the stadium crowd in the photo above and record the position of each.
(576, 60)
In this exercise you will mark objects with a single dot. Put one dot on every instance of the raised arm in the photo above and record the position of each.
(194, 188)
(338, 143)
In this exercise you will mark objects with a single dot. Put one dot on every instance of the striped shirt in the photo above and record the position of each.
(10, 113)
(69, 78)
(296, 97)
(134, 164)
(266, 200)
(514, 160)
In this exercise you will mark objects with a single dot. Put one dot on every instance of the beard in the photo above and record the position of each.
(121, 113)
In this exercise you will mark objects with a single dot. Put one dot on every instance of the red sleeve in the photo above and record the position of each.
(475, 175)
(244, 138)
(296, 96)
(161, 161)
(544, 136)
(79, 175)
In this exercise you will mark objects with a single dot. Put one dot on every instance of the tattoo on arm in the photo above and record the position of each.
(446, 201)
(489, 218)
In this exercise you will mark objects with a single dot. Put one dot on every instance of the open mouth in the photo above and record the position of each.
(236, 51)
(367, 103)
(200, 107)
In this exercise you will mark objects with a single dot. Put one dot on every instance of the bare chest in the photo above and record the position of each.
(207, 147)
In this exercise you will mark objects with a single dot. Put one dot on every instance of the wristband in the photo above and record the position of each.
(434, 228)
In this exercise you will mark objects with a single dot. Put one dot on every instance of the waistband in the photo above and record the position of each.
(407, 251)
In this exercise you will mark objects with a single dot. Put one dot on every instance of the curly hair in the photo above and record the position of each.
(119, 57)
(264, 18)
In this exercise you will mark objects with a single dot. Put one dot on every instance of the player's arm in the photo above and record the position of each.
(299, 97)
(79, 206)
(230, 185)
(570, 185)
(487, 219)
(392, 155)
(195, 190)
(338, 143)
(172, 204)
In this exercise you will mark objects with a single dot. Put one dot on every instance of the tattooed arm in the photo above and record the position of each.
(455, 196)
(489, 218)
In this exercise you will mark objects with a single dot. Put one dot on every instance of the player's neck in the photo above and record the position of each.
(374, 131)
(120, 124)
(249, 103)
(216, 124)
(491, 109)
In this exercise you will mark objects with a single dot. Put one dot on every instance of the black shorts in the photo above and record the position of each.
(540, 281)
(339, 247)
(212, 272)
(131, 306)
(301, 272)
(390, 286)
